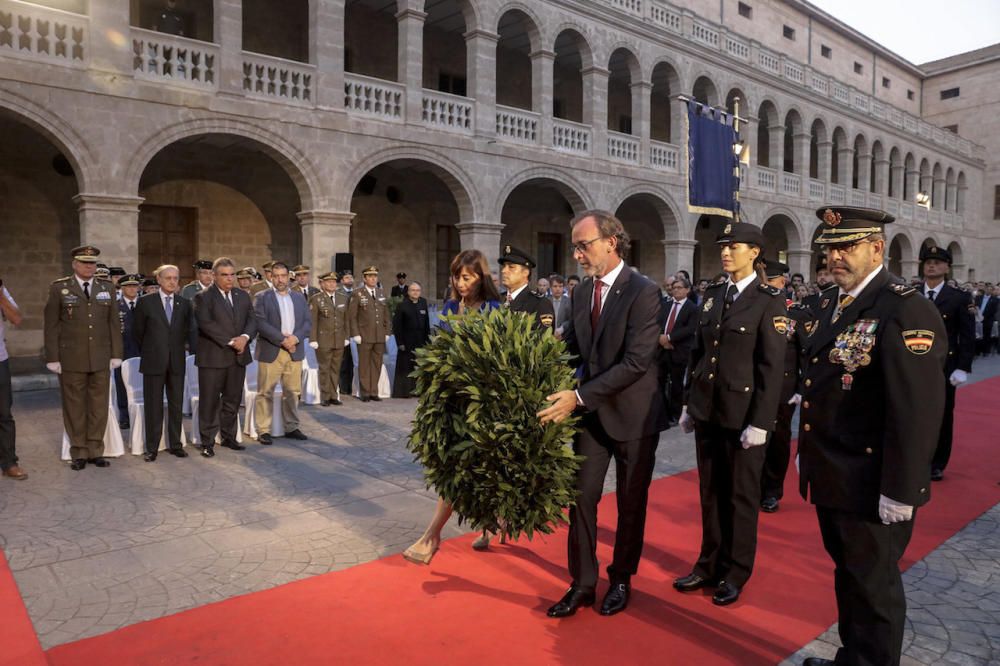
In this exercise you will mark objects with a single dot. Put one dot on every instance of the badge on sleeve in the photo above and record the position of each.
(546, 319)
(810, 327)
(918, 341)
(708, 305)
(781, 325)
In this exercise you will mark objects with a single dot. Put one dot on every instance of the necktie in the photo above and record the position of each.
(731, 294)
(131, 307)
(671, 318)
(843, 301)
(931, 294)
(595, 311)
(170, 309)
(86, 290)
(229, 300)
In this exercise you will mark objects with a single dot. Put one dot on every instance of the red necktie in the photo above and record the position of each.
(595, 311)
(671, 319)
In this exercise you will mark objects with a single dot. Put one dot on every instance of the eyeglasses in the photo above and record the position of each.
(582, 246)
(844, 248)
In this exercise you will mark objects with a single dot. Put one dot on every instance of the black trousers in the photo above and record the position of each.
(634, 462)
(152, 390)
(122, 397)
(347, 372)
(672, 369)
(219, 393)
(943, 451)
(729, 484)
(8, 456)
(778, 453)
(871, 604)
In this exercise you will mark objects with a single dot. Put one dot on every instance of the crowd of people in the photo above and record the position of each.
(871, 362)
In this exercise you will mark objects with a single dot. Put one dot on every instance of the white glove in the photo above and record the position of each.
(797, 462)
(314, 345)
(347, 343)
(387, 338)
(753, 437)
(357, 339)
(116, 363)
(686, 422)
(958, 377)
(891, 511)
(795, 399)
(54, 367)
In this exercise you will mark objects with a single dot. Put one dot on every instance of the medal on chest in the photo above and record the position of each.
(852, 349)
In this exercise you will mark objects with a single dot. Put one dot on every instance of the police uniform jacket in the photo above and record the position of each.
(130, 348)
(540, 306)
(873, 434)
(367, 316)
(735, 374)
(82, 335)
(329, 319)
(959, 316)
(800, 322)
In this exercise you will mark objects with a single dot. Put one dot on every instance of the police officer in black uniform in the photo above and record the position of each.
(958, 313)
(797, 326)
(731, 400)
(823, 281)
(128, 296)
(872, 402)
(515, 273)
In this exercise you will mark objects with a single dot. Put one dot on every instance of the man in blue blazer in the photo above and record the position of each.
(283, 323)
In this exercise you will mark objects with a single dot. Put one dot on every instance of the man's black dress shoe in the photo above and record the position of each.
(574, 598)
(692, 582)
(336, 402)
(375, 398)
(364, 398)
(726, 594)
(818, 661)
(99, 462)
(235, 446)
(296, 434)
(769, 504)
(149, 457)
(179, 452)
(208, 452)
(937, 474)
(616, 600)
(78, 464)
(265, 438)
(326, 403)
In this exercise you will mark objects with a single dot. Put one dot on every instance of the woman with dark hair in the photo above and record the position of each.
(731, 401)
(472, 290)
(411, 328)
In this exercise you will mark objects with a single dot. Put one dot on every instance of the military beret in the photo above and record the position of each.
(85, 253)
(774, 268)
(331, 275)
(512, 255)
(935, 252)
(130, 280)
(301, 268)
(371, 270)
(847, 224)
(741, 232)
(202, 265)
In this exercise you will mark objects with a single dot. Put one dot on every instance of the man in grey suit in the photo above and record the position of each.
(283, 324)
(561, 305)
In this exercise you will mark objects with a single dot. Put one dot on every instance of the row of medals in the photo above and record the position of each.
(852, 349)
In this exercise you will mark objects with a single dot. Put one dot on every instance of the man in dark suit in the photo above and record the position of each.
(986, 304)
(162, 322)
(677, 322)
(128, 296)
(226, 325)
(615, 336)
(515, 273)
(399, 289)
(872, 403)
(958, 314)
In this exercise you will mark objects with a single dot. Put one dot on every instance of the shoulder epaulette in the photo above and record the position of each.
(717, 283)
(831, 288)
(768, 289)
(63, 279)
(798, 306)
(901, 289)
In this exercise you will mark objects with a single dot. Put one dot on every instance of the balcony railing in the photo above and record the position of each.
(838, 195)
(277, 78)
(41, 34)
(623, 147)
(445, 111)
(517, 125)
(571, 137)
(817, 190)
(767, 179)
(791, 184)
(858, 198)
(166, 58)
(663, 156)
(374, 97)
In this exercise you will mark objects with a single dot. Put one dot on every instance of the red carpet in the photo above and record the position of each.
(471, 608)
(19, 645)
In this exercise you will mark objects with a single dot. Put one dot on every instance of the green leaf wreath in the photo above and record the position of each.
(475, 430)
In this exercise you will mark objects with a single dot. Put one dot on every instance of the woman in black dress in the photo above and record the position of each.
(412, 328)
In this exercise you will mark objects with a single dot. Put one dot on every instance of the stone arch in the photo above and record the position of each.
(790, 225)
(937, 187)
(734, 92)
(818, 138)
(950, 191)
(665, 113)
(631, 59)
(295, 163)
(705, 90)
(768, 124)
(582, 42)
(961, 195)
(895, 181)
(839, 172)
(859, 170)
(955, 250)
(661, 200)
(530, 22)
(793, 126)
(518, 37)
(900, 254)
(470, 13)
(624, 72)
(573, 190)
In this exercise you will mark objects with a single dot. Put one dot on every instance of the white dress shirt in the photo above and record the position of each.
(609, 281)
(511, 295)
(741, 285)
(287, 309)
(678, 305)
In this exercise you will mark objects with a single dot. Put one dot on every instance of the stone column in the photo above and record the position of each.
(229, 37)
(776, 147)
(481, 49)
(642, 103)
(800, 261)
(542, 75)
(926, 185)
(897, 173)
(595, 108)
(951, 190)
(324, 234)
(937, 197)
(912, 185)
(961, 199)
(679, 255)
(882, 177)
(845, 159)
(111, 223)
(110, 47)
(960, 272)
(800, 148)
(482, 236)
(326, 51)
(864, 171)
(824, 150)
(410, 68)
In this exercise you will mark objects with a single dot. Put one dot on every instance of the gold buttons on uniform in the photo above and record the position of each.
(868, 450)
(807, 427)
(809, 382)
(714, 359)
(711, 376)
(743, 329)
(805, 405)
(715, 343)
(815, 359)
(746, 389)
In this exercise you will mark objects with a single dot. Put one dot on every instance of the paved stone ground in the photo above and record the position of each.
(99, 549)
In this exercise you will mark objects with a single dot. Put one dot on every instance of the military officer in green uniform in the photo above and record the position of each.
(515, 273)
(266, 283)
(203, 279)
(872, 405)
(369, 324)
(83, 343)
(329, 335)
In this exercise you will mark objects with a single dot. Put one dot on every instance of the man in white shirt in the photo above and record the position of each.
(8, 455)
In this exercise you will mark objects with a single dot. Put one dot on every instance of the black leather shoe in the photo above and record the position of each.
(235, 446)
(818, 661)
(364, 398)
(208, 452)
(296, 434)
(375, 398)
(124, 425)
(574, 598)
(616, 600)
(769, 504)
(149, 457)
(78, 464)
(726, 594)
(265, 438)
(326, 403)
(99, 462)
(336, 402)
(180, 453)
(692, 582)
(937, 474)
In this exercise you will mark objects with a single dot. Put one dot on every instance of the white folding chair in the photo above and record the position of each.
(384, 386)
(114, 445)
(188, 365)
(310, 376)
(132, 379)
(250, 401)
(191, 381)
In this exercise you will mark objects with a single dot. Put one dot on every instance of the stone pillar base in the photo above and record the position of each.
(679, 255)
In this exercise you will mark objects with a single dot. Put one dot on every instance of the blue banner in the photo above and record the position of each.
(712, 176)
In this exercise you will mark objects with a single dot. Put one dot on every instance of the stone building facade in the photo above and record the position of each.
(401, 131)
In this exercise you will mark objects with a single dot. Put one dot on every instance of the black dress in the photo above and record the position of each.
(411, 326)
